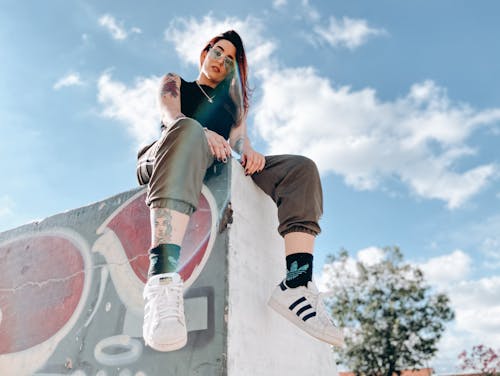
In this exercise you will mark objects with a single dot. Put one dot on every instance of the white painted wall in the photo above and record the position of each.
(261, 342)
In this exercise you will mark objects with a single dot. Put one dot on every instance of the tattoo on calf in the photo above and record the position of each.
(162, 222)
(170, 86)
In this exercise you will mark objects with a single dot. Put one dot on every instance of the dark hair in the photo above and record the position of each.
(241, 96)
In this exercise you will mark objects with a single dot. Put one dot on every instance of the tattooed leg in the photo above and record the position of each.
(167, 226)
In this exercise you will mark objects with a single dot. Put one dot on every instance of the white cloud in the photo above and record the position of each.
(450, 346)
(311, 12)
(347, 32)
(135, 106)
(487, 234)
(279, 3)
(189, 36)
(116, 28)
(117, 31)
(6, 206)
(443, 270)
(478, 295)
(477, 310)
(476, 304)
(71, 79)
(300, 10)
(483, 236)
(327, 281)
(418, 138)
(370, 256)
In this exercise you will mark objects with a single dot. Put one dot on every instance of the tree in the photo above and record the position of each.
(393, 320)
(483, 359)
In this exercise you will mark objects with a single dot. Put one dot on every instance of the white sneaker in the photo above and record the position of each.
(304, 307)
(164, 326)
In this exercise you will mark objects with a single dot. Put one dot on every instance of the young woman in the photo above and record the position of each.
(198, 119)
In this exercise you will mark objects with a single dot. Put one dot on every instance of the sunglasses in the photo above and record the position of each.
(217, 54)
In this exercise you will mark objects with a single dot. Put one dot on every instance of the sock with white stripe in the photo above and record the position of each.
(299, 269)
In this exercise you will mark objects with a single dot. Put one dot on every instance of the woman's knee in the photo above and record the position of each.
(305, 165)
(187, 126)
(185, 131)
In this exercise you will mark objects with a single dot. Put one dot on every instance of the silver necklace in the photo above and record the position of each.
(210, 99)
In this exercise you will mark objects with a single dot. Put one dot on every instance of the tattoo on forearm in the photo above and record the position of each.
(162, 226)
(169, 86)
(238, 145)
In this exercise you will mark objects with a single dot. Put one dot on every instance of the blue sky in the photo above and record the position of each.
(397, 102)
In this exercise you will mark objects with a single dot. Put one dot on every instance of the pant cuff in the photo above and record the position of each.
(299, 229)
(173, 204)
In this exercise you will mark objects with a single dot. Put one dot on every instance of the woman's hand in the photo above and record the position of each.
(218, 145)
(252, 160)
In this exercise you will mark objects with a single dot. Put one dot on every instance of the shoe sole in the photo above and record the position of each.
(167, 347)
(289, 315)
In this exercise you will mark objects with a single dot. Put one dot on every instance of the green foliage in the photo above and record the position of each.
(392, 319)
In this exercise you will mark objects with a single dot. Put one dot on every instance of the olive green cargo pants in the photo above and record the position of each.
(174, 168)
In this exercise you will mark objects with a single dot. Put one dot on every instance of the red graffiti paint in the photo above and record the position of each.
(42, 276)
(133, 228)
(41, 283)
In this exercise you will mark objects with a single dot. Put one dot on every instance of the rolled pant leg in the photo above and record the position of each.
(180, 159)
(294, 184)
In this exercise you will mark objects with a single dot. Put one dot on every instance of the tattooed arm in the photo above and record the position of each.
(170, 98)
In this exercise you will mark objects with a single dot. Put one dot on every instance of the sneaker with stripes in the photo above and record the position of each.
(304, 307)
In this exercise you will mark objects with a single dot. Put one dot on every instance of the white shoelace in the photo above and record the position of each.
(167, 300)
(320, 307)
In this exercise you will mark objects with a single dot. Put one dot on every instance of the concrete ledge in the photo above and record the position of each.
(260, 342)
(71, 285)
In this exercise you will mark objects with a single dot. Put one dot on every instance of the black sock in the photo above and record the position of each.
(299, 269)
(163, 259)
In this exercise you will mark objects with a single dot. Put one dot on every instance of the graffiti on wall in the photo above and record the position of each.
(71, 303)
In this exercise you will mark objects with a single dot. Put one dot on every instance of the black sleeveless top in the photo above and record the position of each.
(218, 116)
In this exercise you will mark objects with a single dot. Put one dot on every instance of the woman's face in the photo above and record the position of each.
(219, 61)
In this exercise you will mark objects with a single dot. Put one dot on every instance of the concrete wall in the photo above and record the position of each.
(71, 291)
(261, 342)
